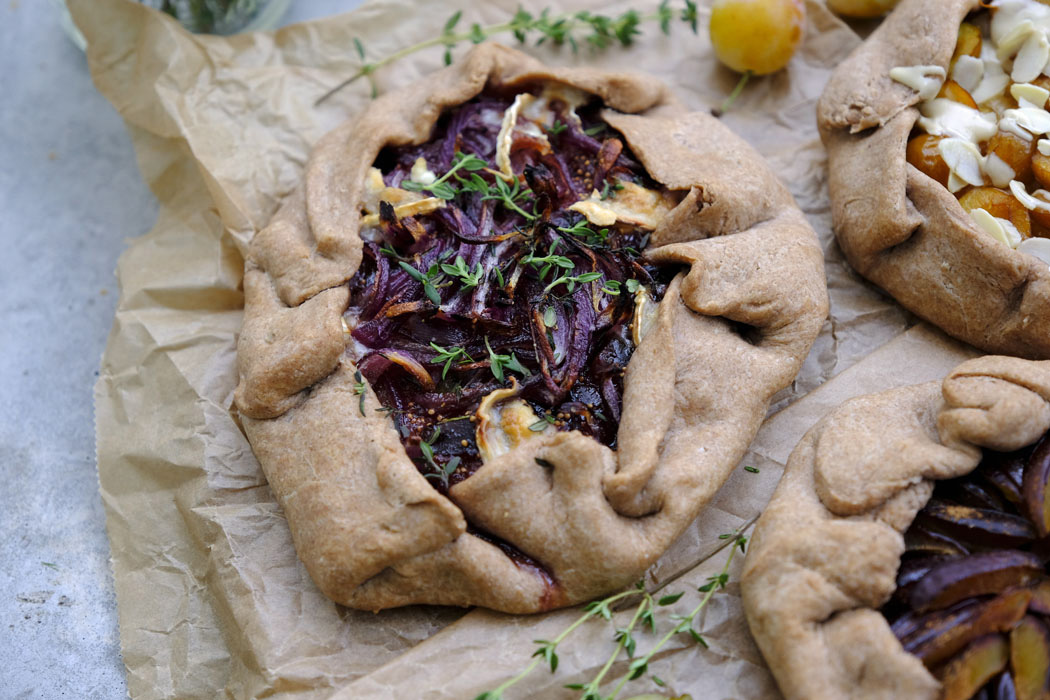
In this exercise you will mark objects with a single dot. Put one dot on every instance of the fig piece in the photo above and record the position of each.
(978, 526)
(1034, 483)
(1005, 471)
(1030, 658)
(941, 634)
(982, 660)
(922, 540)
(950, 581)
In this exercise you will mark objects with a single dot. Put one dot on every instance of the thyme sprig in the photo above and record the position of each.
(573, 28)
(644, 616)
(498, 363)
(441, 472)
(448, 356)
(461, 271)
(582, 229)
(430, 280)
(549, 261)
(507, 194)
(360, 389)
(441, 187)
(570, 281)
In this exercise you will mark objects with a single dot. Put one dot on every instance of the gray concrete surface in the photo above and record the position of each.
(70, 195)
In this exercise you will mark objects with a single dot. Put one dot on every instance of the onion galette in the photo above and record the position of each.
(513, 332)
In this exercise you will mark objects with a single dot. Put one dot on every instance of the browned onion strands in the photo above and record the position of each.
(571, 341)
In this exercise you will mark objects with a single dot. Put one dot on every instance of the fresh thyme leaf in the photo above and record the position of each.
(594, 130)
(637, 668)
(541, 425)
(448, 356)
(690, 14)
(499, 276)
(452, 21)
(557, 127)
(665, 16)
(550, 317)
(429, 279)
(441, 187)
(633, 286)
(611, 287)
(50, 565)
(670, 599)
(498, 363)
(359, 48)
(477, 34)
(460, 271)
(753, 470)
(624, 637)
(582, 230)
(570, 281)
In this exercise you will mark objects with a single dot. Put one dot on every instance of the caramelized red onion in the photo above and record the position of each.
(573, 343)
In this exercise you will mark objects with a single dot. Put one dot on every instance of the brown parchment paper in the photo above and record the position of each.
(211, 597)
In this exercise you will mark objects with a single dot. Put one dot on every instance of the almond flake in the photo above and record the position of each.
(1038, 247)
(998, 170)
(1033, 94)
(1034, 54)
(1030, 202)
(963, 159)
(968, 72)
(993, 226)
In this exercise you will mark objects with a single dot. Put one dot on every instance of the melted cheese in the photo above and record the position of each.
(417, 208)
(645, 312)
(634, 205)
(504, 422)
(925, 80)
(944, 117)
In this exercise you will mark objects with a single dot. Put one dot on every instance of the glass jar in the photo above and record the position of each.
(205, 16)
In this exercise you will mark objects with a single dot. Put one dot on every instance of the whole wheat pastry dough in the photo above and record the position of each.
(825, 553)
(730, 332)
(903, 230)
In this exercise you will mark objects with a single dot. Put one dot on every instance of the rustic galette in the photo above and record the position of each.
(938, 140)
(513, 331)
(904, 553)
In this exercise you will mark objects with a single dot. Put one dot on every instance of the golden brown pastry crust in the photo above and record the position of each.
(903, 230)
(370, 529)
(825, 553)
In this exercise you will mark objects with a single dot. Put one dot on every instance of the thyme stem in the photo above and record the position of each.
(559, 28)
(590, 612)
(715, 583)
(728, 102)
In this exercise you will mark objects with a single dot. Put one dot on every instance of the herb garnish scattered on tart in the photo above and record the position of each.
(502, 292)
